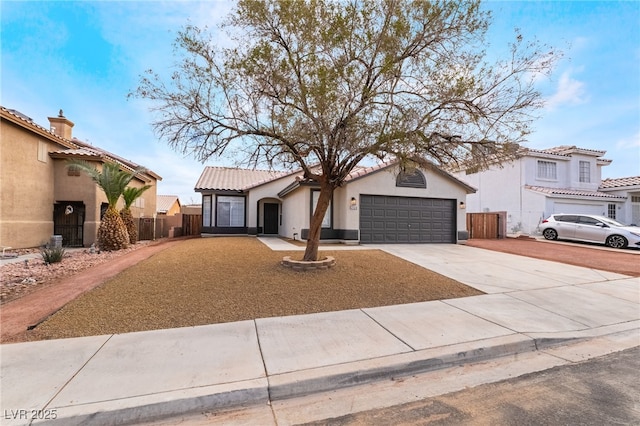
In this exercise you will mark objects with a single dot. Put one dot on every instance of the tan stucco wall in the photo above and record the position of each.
(83, 189)
(173, 210)
(30, 185)
(26, 189)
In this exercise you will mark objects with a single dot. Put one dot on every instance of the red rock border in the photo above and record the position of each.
(308, 265)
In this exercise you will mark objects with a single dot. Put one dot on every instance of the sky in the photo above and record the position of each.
(85, 57)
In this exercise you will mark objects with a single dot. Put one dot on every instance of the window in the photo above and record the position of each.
(326, 221)
(547, 170)
(229, 211)
(567, 218)
(139, 203)
(42, 151)
(206, 210)
(611, 211)
(585, 171)
(589, 220)
(73, 170)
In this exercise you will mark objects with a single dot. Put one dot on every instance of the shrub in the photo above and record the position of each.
(52, 255)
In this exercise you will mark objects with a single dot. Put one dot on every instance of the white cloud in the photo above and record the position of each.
(632, 141)
(569, 92)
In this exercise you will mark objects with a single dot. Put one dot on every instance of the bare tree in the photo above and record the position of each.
(320, 85)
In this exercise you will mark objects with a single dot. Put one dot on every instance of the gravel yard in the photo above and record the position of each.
(215, 280)
(21, 278)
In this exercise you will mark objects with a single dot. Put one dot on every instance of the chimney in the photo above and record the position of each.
(61, 126)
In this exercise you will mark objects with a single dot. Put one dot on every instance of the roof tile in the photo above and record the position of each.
(561, 191)
(620, 182)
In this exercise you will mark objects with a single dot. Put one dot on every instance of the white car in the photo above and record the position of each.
(590, 228)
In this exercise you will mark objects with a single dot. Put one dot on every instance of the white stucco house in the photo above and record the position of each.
(563, 179)
(628, 187)
(377, 204)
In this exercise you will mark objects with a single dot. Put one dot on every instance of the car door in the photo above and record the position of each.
(591, 229)
(566, 226)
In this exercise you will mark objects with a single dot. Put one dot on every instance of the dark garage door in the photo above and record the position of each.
(385, 219)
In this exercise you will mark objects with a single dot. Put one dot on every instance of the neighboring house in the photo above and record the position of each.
(191, 209)
(41, 197)
(628, 187)
(375, 205)
(564, 179)
(168, 205)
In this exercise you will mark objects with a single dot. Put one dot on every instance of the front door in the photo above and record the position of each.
(270, 218)
(68, 221)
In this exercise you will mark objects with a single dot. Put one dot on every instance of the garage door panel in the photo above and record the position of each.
(406, 220)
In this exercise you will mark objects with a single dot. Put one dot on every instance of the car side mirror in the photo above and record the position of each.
(602, 225)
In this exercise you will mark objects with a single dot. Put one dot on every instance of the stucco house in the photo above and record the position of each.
(168, 205)
(41, 197)
(628, 187)
(376, 204)
(563, 179)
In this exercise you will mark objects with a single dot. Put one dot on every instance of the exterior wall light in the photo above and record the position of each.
(462, 205)
(354, 203)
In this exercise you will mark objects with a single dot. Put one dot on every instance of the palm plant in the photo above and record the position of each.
(129, 195)
(112, 233)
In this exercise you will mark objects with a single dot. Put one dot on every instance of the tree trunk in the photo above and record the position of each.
(313, 241)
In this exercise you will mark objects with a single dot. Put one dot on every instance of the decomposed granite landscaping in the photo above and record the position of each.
(224, 279)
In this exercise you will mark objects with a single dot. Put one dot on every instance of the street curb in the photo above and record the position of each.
(148, 408)
(243, 394)
(301, 383)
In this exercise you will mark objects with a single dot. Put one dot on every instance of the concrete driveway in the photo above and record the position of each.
(531, 306)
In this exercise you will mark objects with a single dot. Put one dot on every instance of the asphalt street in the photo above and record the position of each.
(600, 391)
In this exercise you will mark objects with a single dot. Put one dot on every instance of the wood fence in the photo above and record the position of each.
(489, 225)
(169, 226)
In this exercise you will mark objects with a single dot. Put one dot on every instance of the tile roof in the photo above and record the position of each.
(73, 147)
(620, 182)
(567, 150)
(234, 179)
(572, 192)
(165, 202)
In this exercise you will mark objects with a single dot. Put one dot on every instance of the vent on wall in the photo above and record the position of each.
(415, 179)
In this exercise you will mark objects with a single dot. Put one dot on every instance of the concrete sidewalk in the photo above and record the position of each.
(531, 306)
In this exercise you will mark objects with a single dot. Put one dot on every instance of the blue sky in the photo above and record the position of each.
(84, 57)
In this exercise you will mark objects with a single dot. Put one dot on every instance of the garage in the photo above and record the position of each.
(599, 209)
(389, 219)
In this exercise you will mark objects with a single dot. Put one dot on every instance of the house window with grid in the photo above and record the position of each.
(547, 170)
(229, 211)
(585, 171)
(611, 211)
(206, 210)
(326, 220)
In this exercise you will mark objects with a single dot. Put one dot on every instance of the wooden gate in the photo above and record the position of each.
(491, 225)
(191, 224)
(145, 228)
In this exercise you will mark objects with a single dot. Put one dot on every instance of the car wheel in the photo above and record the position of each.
(550, 234)
(617, 241)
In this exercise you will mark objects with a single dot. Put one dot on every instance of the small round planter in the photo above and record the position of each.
(304, 265)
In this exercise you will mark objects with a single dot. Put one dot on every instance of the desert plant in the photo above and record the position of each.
(129, 195)
(112, 233)
(52, 254)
